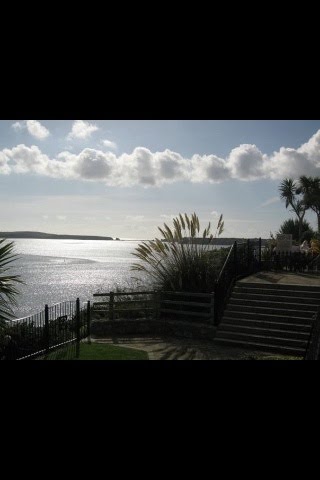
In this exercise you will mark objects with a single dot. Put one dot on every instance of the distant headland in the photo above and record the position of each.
(52, 236)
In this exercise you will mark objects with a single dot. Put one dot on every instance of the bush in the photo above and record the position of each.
(183, 260)
(291, 226)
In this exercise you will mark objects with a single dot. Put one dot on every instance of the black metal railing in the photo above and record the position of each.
(243, 259)
(313, 348)
(59, 326)
(293, 262)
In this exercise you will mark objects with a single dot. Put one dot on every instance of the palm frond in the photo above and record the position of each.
(8, 290)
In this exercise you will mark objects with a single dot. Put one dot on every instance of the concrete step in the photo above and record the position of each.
(272, 304)
(268, 311)
(279, 286)
(262, 347)
(262, 339)
(302, 327)
(270, 317)
(272, 332)
(278, 292)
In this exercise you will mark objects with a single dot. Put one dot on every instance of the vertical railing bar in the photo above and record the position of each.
(46, 320)
(111, 305)
(78, 327)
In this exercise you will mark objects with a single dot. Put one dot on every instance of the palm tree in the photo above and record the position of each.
(310, 187)
(289, 192)
(7, 282)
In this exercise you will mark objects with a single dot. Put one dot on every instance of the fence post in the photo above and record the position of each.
(156, 299)
(212, 308)
(235, 259)
(248, 247)
(259, 253)
(216, 304)
(46, 328)
(111, 305)
(77, 327)
(89, 321)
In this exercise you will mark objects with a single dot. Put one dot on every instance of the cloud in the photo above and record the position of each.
(17, 126)
(215, 213)
(81, 129)
(290, 162)
(168, 217)
(61, 217)
(135, 218)
(270, 201)
(37, 130)
(4, 164)
(208, 168)
(154, 169)
(246, 162)
(34, 128)
(25, 159)
(109, 144)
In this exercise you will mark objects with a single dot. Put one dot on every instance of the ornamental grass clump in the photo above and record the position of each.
(184, 259)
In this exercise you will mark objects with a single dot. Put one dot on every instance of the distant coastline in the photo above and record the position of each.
(50, 236)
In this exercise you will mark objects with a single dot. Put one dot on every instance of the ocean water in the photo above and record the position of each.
(59, 270)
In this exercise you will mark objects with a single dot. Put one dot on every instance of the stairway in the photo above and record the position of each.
(269, 317)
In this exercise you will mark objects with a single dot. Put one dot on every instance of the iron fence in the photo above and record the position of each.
(313, 348)
(60, 326)
(243, 259)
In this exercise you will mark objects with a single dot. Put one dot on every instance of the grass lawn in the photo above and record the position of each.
(97, 351)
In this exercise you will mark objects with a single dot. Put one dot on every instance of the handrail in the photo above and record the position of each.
(313, 347)
(226, 262)
(239, 262)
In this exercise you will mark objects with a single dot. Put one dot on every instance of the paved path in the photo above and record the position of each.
(165, 348)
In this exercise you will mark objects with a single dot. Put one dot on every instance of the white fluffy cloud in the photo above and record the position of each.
(208, 168)
(4, 167)
(109, 144)
(81, 129)
(35, 128)
(145, 168)
(290, 162)
(17, 126)
(246, 162)
(25, 159)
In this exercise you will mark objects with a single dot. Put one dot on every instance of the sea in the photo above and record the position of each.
(55, 271)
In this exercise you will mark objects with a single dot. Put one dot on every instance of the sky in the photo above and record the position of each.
(124, 178)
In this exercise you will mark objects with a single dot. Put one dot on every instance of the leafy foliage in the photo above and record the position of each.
(291, 194)
(310, 188)
(184, 258)
(8, 290)
(291, 226)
